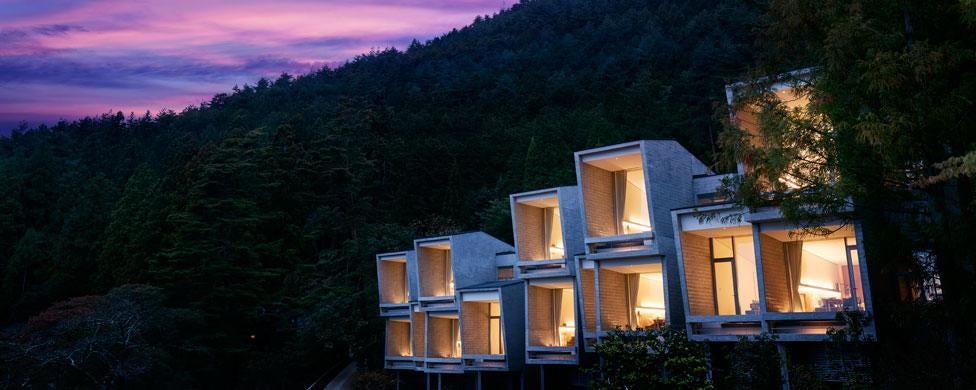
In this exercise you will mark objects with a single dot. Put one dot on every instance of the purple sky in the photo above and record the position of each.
(71, 58)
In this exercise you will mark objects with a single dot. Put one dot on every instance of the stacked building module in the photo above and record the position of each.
(641, 241)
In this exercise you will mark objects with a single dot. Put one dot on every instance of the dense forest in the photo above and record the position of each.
(231, 244)
(235, 239)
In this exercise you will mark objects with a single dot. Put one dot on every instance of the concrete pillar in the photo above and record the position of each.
(542, 377)
(784, 369)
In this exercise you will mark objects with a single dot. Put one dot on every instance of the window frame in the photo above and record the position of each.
(735, 274)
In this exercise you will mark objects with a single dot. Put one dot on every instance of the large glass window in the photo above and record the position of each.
(736, 286)
(630, 202)
(553, 234)
(823, 275)
(565, 314)
(648, 290)
(448, 273)
(495, 339)
(456, 337)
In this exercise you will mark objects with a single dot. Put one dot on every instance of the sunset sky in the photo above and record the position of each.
(71, 58)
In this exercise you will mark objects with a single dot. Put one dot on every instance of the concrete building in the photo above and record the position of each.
(644, 239)
(626, 276)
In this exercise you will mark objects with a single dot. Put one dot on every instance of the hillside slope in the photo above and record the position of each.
(255, 215)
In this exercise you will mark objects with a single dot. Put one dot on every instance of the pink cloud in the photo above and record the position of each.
(151, 54)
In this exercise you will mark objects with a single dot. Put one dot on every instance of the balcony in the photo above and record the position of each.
(449, 262)
(720, 283)
(443, 347)
(436, 274)
(547, 231)
(551, 321)
(394, 283)
(627, 192)
(399, 344)
(491, 323)
(808, 279)
(626, 294)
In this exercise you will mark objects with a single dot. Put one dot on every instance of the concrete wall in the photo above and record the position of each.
(474, 258)
(412, 276)
(670, 185)
(774, 274)
(513, 321)
(588, 289)
(696, 255)
(418, 323)
(570, 209)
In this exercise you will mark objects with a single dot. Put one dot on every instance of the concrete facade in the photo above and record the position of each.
(600, 269)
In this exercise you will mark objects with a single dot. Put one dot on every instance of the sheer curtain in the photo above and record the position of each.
(557, 314)
(794, 258)
(633, 284)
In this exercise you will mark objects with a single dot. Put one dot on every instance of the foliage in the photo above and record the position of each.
(755, 363)
(889, 131)
(653, 358)
(124, 338)
(260, 211)
(373, 380)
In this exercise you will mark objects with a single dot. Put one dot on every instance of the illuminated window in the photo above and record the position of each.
(495, 339)
(553, 234)
(647, 290)
(822, 275)
(630, 202)
(735, 285)
(456, 337)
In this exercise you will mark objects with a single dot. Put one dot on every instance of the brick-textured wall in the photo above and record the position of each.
(698, 274)
(597, 185)
(774, 274)
(432, 264)
(613, 300)
(540, 319)
(439, 340)
(392, 278)
(417, 322)
(474, 332)
(529, 220)
(589, 299)
(506, 273)
(397, 338)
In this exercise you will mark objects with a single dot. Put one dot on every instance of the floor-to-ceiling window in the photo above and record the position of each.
(735, 284)
(495, 337)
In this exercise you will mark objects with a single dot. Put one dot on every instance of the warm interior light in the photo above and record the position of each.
(567, 333)
(649, 308)
(817, 290)
(635, 227)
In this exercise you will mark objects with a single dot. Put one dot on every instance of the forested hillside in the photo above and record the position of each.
(231, 244)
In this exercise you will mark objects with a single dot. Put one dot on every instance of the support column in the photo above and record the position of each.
(478, 386)
(542, 377)
(784, 369)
